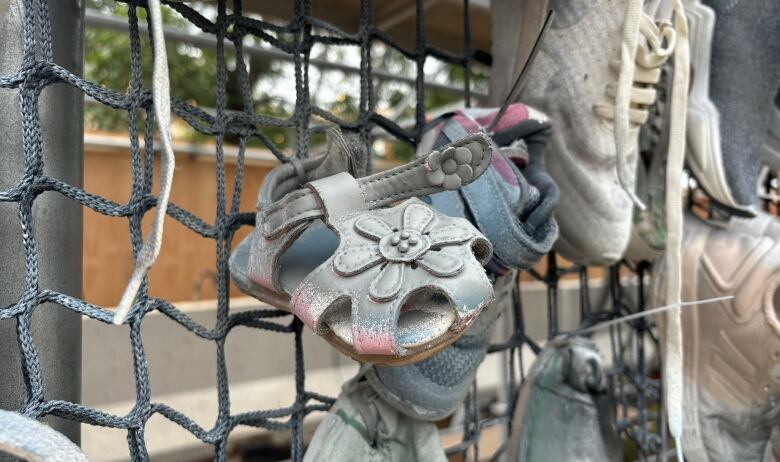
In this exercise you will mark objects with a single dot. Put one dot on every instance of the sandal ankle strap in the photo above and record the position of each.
(459, 164)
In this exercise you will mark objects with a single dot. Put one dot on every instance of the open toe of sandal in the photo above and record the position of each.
(378, 273)
(404, 281)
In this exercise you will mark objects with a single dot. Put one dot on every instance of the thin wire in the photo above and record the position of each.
(519, 83)
(650, 312)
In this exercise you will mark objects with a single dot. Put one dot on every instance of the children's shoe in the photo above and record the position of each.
(433, 389)
(383, 283)
(512, 203)
(564, 410)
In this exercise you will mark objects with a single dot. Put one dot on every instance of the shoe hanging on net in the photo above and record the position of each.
(732, 347)
(383, 283)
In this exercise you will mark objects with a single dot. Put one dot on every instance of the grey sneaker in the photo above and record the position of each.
(726, 115)
(598, 102)
(564, 410)
(433, 389)
(731, 349)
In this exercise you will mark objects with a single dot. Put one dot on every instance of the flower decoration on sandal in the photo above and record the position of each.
(417, 243)
(385, 257)
(449, 168)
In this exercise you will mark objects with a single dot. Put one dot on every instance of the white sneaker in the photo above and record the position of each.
(598, 101)
(703, 137)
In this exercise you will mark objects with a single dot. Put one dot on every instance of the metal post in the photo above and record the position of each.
(57, 221)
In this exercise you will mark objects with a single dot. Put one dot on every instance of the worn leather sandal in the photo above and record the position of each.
(514, 201)
(382, 281)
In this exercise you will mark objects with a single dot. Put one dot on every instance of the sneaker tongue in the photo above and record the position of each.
(659, 10)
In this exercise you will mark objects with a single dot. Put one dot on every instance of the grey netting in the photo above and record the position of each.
(637, 396)
(635, 391)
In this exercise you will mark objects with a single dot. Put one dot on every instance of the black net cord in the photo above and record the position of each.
(296, 38)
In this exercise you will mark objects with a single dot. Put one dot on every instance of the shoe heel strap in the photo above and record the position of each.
(338, 195)
(449, 168)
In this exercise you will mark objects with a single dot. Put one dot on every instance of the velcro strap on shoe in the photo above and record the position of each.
(338, 195)
(465, 162)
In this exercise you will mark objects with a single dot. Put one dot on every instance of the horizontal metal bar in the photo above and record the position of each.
(102, 21)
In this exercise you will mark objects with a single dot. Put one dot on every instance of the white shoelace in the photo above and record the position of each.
(633, 93)
(673, 363)
(162, 108)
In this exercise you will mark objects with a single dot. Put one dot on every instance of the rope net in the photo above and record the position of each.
(637, 394)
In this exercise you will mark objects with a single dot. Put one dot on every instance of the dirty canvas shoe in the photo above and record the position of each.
(594, 75)
(731, 351)
(564, 410)
(361, 427)
(591, 76)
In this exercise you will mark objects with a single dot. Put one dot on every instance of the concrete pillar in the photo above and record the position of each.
(57, 220)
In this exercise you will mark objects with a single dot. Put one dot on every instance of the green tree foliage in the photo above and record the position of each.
(193, 79)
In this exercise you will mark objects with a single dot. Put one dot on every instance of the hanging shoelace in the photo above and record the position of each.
(673, 363)
(633, 94)
(645, 48)
(161, 94)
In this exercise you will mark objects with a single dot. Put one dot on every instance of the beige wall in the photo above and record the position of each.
(185, 268)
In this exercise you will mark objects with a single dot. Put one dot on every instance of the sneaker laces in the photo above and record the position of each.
(161, 94)
(633, 93)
